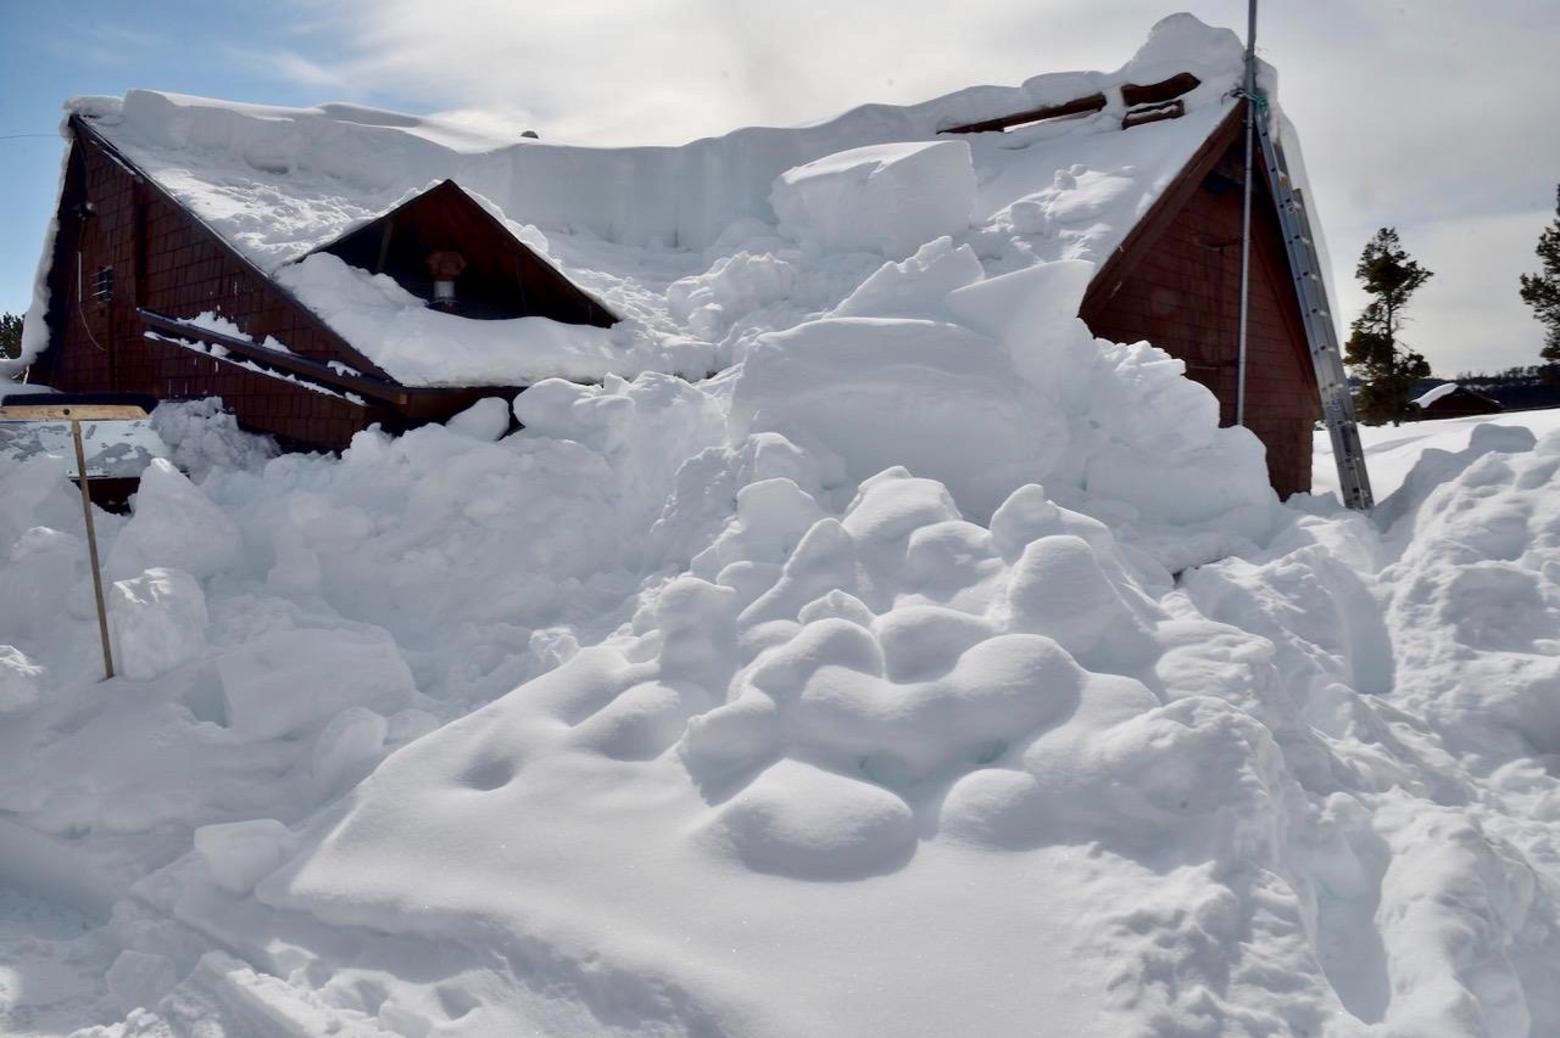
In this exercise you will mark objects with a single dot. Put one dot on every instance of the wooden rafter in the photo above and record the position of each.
(1132, 94)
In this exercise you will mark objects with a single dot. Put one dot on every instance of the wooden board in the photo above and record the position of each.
(70, 412)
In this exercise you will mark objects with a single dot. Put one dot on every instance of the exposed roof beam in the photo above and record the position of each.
(288, 362)
(1131, 94)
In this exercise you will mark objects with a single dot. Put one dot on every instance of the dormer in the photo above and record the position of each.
(445, 247)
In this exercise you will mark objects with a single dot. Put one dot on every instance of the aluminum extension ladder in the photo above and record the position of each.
(1320, 333)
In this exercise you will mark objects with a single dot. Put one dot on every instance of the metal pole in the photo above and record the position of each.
(92, 552)
(1245, 225)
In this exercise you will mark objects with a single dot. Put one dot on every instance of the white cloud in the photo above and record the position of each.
(1434, 116)
(289, 65)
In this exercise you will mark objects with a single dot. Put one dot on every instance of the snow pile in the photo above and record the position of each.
(896, 696)
(1478, 597)
(752, 738)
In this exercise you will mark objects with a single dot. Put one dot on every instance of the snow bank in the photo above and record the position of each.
(831, 714)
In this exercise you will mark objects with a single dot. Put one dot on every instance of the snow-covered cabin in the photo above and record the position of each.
(324, 269)
(1454, 400)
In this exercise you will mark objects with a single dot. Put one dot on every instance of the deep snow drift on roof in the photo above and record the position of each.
(279, 181)
(787, 224)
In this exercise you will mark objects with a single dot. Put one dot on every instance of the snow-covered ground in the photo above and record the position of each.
(1392, 450)
(862, 766)
(932, 668)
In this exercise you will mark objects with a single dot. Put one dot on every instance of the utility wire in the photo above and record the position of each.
(19, 136)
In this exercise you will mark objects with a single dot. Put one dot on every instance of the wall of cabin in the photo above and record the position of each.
(1459, 404)
(165, 260)
(1182, 293)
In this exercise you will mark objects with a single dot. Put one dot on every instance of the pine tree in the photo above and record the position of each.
(10, 335)
(1387, 369)
(1542, 291)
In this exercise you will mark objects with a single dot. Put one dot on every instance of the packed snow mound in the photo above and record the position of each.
(1001, 370)
(823, 698)
(1478, 594)
(874, 700)
(739, 745)
(890, 198)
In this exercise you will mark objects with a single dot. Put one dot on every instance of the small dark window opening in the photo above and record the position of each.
(103, 285)
(1218, 183)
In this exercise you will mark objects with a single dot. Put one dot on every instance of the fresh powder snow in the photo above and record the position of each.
(918, 664)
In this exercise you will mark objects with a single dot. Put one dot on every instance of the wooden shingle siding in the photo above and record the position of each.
(1180, 290)
(166, 260)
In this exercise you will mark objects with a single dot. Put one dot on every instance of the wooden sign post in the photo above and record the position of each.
(75, 414)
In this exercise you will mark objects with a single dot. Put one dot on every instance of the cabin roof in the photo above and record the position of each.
(650, 233)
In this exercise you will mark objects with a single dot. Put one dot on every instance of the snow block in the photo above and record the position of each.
(292, 680)
(487, 419)
(173, 522)
(347, 748)
(20, 680)
(885, 392)
(917, 286)
(888, 198)
(158, 621)
(139, 979)
(240, 854)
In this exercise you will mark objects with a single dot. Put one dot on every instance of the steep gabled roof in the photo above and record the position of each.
(502, 276)
(658, 235)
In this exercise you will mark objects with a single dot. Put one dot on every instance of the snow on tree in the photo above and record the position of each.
(1387, 368)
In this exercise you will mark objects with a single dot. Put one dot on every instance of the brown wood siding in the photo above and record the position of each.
(164, 259)
(1180, 291)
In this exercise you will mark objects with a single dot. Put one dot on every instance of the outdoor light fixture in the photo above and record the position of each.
(445, 266)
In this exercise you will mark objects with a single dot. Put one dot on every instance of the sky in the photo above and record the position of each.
(1433, 116)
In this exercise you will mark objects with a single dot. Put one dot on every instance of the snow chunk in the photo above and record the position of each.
(487, 419)
(174, 522)
(923, 394)
(289, 680)
(915, 287)
(20, 680)
(888, 198)
(238, 855)
(347, 748)
(158, 621)
(203, 436)
(139, 979)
